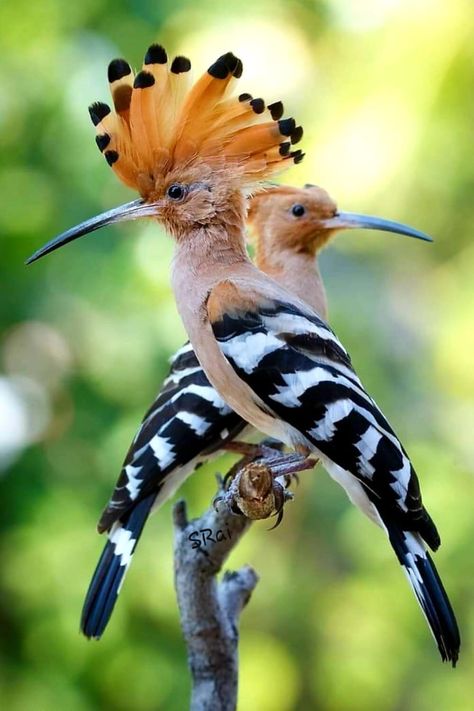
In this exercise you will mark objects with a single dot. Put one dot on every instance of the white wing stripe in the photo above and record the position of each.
(297, 325)
(198, 424)
(163, 450)
(370, 418)
(402, 475)
(176, 375)
(248, 349)
(187, 348)
(133, 483)
(298, 383)
(335, 411)
(208, 393)
(367, 445)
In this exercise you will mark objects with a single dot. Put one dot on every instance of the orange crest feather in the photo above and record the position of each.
(162, 123)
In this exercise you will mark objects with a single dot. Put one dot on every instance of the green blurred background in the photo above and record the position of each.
(384, 89)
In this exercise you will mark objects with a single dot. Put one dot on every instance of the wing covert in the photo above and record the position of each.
(296, 365)
(187, 421)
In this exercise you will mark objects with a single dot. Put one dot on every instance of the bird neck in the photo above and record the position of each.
(296, 271)
(205, 256)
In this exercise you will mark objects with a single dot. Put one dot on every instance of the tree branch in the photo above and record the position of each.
(210, 610)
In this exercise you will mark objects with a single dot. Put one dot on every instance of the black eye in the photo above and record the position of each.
(176, 191)
(298, 210)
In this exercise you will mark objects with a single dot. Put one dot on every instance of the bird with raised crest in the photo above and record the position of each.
(189, 422)
(194, 152)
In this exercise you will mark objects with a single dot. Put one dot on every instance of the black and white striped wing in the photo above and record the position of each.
(186, 423)
(296, 365)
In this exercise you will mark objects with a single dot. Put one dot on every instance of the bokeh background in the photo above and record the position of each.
(384, 89)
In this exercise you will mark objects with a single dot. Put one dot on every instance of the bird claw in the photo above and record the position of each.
(281, 496)
(288, 480)
(216, 501)
(279, 516)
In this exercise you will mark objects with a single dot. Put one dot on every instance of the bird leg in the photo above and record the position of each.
(268, 449)
(251, 450)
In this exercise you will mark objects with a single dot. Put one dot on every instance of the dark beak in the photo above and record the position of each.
(351, 220)
(130, 211)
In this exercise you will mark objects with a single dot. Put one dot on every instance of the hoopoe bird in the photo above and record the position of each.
(189, 422)
(193, 153)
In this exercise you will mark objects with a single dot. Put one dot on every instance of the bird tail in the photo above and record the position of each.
(428, 588)
(112, 567)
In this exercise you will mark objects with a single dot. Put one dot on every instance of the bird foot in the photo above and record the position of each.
(257, 486)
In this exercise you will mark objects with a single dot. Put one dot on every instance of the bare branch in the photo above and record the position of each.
(210, 610)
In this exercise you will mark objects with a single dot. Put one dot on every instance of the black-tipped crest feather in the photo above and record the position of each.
(118, 68)
(156, 54)
(98, 111)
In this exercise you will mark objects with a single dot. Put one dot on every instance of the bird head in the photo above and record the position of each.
(304, 219)
(192, 151)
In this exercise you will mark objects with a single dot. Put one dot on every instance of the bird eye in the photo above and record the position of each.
(176, 191)
(298, 210)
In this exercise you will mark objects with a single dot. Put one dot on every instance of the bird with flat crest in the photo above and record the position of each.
(194, 153)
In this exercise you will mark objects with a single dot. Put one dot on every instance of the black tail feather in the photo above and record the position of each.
(112, 568)
(429, 590)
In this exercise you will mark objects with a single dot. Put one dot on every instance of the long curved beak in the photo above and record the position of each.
(351, 220)
(130, 211)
